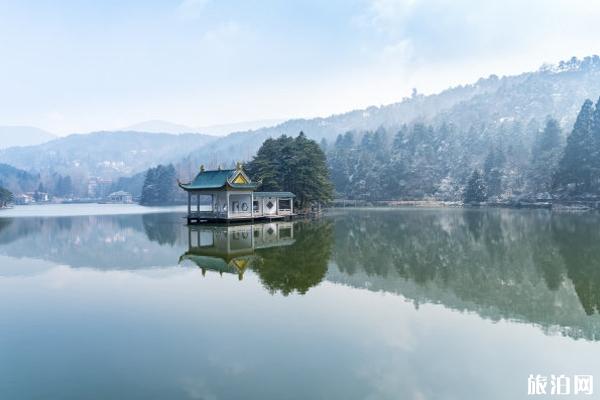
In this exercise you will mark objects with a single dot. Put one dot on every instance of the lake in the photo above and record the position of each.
(360, 304)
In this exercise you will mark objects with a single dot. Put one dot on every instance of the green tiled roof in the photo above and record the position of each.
(212, 263)
(274, 194)
(216, 179)
(236, 265)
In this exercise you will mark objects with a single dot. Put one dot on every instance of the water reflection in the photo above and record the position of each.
(101, 242)
(301, 265)
(288, 257)
(231, 248)
(529, 266)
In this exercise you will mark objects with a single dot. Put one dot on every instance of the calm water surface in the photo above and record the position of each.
(362, 304)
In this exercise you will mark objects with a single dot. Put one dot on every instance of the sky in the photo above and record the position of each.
(83, 65)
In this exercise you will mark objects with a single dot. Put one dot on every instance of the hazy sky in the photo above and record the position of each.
(81, 65)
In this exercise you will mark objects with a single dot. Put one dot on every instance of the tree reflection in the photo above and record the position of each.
(4, 224)
(502, 263)
(300, 266)
(578, 237)
(163, 228)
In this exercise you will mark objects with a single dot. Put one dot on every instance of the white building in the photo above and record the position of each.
(120, 197)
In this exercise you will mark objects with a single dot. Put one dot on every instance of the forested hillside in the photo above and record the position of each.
(104, 154)
(511, 108)
(16, 180)
(422, 161)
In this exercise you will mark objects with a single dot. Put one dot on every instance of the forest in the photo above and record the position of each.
(495, 163)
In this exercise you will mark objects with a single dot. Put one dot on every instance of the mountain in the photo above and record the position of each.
(433, 143)
(23, 136)
(443, 138)
(158, 126)
(103, 154)
(557, 90)
(17, 180)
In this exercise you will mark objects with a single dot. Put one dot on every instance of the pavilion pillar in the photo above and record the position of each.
(198, 202)
(227, 199)
(189, 203)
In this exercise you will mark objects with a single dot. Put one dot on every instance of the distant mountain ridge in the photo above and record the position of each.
(104, 154)
(159, 126)
(11, 136)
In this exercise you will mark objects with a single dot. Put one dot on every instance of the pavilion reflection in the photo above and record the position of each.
(232, 248)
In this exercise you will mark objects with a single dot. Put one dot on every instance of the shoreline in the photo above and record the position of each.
(562, 205)
(82, 209)
(97, 209)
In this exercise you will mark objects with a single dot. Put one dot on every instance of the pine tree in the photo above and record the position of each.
(368, 176)
(149, 188)
(574, 173)
(394, 182)
(340, 160)
(475, 192)
(6, 197)
(493, 171)
(159, 186)
(290, 164)
(64, 186)
(545, 155)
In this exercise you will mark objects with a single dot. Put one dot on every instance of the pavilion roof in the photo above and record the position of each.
(217, 179)
(236, 265)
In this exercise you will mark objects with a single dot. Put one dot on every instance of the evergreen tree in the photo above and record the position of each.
(544, 157)
(159, 186)
(291, 164)
(323, 145)
(63, 186)
(341, 163)
(574, 173)
(149, 189)
(6, 197)
(475, 192)
(395, 182)
(368, 175)
(272, 163)
(493, 171)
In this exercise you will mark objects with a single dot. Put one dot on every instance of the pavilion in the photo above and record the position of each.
(229, 195)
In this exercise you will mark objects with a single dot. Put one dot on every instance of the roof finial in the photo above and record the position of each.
(201, 167)
(238, 166)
